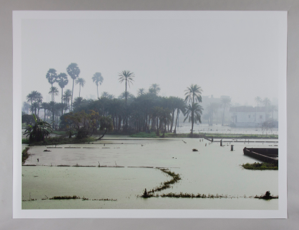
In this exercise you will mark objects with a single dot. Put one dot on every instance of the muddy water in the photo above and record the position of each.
(211, 170)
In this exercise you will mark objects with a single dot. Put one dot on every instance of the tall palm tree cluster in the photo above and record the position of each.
(146, 112)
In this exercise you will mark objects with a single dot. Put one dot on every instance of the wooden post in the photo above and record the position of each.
(221, 142)
(231, 148)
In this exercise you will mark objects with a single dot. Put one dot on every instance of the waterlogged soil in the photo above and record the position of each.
(210, 170)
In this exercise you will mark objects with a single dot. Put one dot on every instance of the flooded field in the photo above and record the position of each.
(205, 128)
(128, 166)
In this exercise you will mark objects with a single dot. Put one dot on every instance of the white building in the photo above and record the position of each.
(248, 116)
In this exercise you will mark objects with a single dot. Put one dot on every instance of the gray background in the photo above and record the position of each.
(6, 221)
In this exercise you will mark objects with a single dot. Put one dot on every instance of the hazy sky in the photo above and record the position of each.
(225, 53)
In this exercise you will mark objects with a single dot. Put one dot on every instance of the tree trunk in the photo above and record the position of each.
(172, 120)
(102, 135)
(176, 120)
(72, 96)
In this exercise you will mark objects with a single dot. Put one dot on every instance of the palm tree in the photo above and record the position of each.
(38, 131)
(62, 82)
(180, 107)
(97, 79)
(154, 89)
(193, 94)
(74, 71)
(45, 106)
(53, 91)
(81, 83)
(52, 78)
(140, 92)
(193, 112)
(32, 97)
(127, 77)
(67, 96)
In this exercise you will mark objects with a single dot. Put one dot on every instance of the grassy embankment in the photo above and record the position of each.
(260, 166)
(63, 137)
(60, 141)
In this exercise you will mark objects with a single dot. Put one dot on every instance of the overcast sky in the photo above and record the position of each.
(225, 53)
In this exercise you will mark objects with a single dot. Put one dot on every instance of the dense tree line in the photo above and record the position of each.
(144, 113)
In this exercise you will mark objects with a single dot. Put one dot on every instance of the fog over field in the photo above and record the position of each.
(233, 54)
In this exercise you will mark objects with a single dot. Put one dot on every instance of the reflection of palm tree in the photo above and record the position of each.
(52, 77)
(127, 77)
(74, 71)
(81, 83)
(193, 112)
(62, 82)
(53, 91)
(97, 79)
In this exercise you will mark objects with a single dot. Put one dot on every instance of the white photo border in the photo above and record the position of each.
(18, 16)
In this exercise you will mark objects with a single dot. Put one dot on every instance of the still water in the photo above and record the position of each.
(211, 170)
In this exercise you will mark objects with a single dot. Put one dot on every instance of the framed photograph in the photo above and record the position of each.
(149, 114)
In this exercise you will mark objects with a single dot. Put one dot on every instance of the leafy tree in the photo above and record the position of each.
(127, 77)
(77, 102)
(28, 119)
(87, 123)
(107, 95)
(38, 131)
(81, 83)
(62, 82)
(126, 95)
(52, 78)
(97, 79)
(74, 71)
(193, 113)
